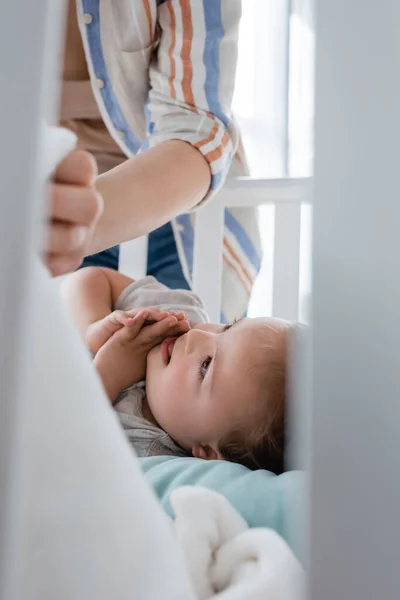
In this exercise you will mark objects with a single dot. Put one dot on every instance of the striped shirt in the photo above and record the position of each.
(165, 69)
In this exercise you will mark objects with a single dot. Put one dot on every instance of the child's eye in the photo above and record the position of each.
(227, 327)
(205, 363)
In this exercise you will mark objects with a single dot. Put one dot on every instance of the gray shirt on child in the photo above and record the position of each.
(146, 438)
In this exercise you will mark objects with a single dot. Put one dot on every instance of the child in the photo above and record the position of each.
(183, 386)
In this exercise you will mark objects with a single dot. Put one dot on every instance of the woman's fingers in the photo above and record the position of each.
(77, 168)
(60, 264)
(65, 239)
(73, 211)
(74, 205)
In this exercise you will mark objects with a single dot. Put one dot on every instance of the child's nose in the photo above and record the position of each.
(197, 339)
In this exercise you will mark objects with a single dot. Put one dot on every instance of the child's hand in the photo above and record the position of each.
(100, 332)
(121, 361)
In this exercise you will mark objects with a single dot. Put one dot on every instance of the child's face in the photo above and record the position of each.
(199, 385)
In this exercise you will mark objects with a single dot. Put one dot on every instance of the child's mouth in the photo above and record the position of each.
(167, 348)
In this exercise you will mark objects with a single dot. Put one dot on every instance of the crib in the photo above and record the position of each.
(349, 391)
(287, 196)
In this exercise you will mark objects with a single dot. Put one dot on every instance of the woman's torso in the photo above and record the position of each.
(79, 111)
(128, 75)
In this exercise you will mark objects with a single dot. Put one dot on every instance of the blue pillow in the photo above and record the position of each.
(263, 499)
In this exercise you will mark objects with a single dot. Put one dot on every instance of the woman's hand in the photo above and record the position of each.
(121, 360)
(75, 207)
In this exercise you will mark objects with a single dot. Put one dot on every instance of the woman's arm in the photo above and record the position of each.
(191, 136)
(147, 191)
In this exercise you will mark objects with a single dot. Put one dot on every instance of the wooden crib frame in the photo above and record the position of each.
(353, 419)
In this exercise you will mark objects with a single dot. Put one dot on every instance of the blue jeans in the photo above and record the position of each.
(162, 259)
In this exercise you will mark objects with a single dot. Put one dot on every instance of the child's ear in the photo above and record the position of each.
(206, 452)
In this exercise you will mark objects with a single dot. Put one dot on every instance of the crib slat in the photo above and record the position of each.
(287, 195)
(133, 257)
(207, 260)
(251, 191)
(285, 299)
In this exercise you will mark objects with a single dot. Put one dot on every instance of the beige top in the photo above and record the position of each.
(79, 111)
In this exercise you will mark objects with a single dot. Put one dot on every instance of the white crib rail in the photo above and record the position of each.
(133, 257)
(287, 195)
(355, 384)
(28, 90)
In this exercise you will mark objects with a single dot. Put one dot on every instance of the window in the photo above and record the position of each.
(274, 108)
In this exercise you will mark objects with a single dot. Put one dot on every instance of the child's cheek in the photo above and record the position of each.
(178, 375)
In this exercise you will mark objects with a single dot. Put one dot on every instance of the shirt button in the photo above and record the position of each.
(87, 18)
(180, 228)
(121, 134)
(99, 83)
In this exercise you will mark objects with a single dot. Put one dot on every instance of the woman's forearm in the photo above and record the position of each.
(148, 190)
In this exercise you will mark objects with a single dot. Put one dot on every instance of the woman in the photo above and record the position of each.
(152, 80)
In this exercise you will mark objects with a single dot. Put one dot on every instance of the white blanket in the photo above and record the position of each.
(227, 560)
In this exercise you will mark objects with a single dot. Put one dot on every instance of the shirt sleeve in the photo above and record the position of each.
(192, 76)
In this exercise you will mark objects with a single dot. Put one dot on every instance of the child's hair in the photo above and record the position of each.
(262, 444)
